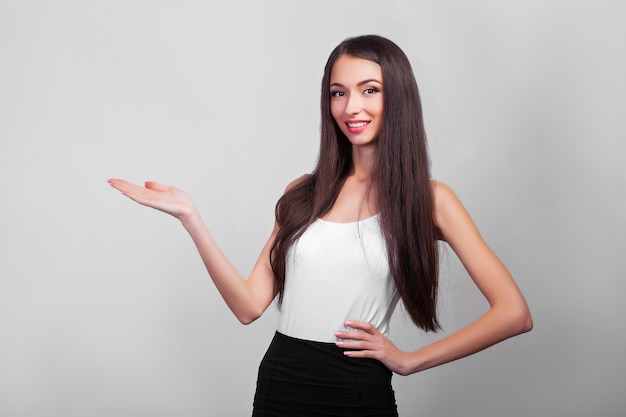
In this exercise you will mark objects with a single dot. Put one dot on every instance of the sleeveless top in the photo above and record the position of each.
(337, 272)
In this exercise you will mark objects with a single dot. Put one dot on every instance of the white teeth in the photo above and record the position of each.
(360, 124)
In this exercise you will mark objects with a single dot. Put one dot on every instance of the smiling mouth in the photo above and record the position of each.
(356, 125)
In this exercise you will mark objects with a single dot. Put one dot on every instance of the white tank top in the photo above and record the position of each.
(337, 272)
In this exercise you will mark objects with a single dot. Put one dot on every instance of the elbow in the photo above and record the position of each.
(515, 319)
(528, 323)
(522, 322)
(248, 317)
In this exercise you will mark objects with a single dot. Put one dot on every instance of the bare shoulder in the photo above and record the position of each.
(449, 213)
(297, 181)
(443, 196)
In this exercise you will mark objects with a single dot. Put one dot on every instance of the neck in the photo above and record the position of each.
(363, 161)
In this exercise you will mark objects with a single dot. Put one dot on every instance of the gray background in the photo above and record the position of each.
(105, 308)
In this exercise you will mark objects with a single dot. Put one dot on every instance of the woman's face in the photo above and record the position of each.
(356, 98)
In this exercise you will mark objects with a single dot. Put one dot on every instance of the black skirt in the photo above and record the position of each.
(302, 378)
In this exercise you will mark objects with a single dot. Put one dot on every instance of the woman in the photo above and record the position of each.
(351, 239)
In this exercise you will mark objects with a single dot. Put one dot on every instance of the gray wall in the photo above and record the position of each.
(105, 308)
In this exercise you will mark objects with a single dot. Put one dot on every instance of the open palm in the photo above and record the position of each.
(165, 198)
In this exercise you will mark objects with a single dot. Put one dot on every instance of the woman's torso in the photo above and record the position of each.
(337, 272)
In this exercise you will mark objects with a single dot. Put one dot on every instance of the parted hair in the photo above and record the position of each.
(400, 177)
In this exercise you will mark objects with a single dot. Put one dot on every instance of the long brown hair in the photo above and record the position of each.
(401, 176)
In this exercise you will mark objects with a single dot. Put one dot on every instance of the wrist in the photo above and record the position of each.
(190, 218)
(416, 362)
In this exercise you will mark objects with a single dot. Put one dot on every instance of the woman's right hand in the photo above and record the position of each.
(247, 298)
(167, 199)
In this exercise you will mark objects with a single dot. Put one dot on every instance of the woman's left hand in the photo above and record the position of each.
(368, 342)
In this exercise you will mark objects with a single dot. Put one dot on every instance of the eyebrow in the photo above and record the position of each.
(369, 80)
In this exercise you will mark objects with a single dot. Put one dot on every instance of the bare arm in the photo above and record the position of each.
(508, 314)
(247, 298)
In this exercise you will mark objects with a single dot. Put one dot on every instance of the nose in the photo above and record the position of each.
(353, 104)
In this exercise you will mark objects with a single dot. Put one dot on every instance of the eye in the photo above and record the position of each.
(337, 93)
(370, 90)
